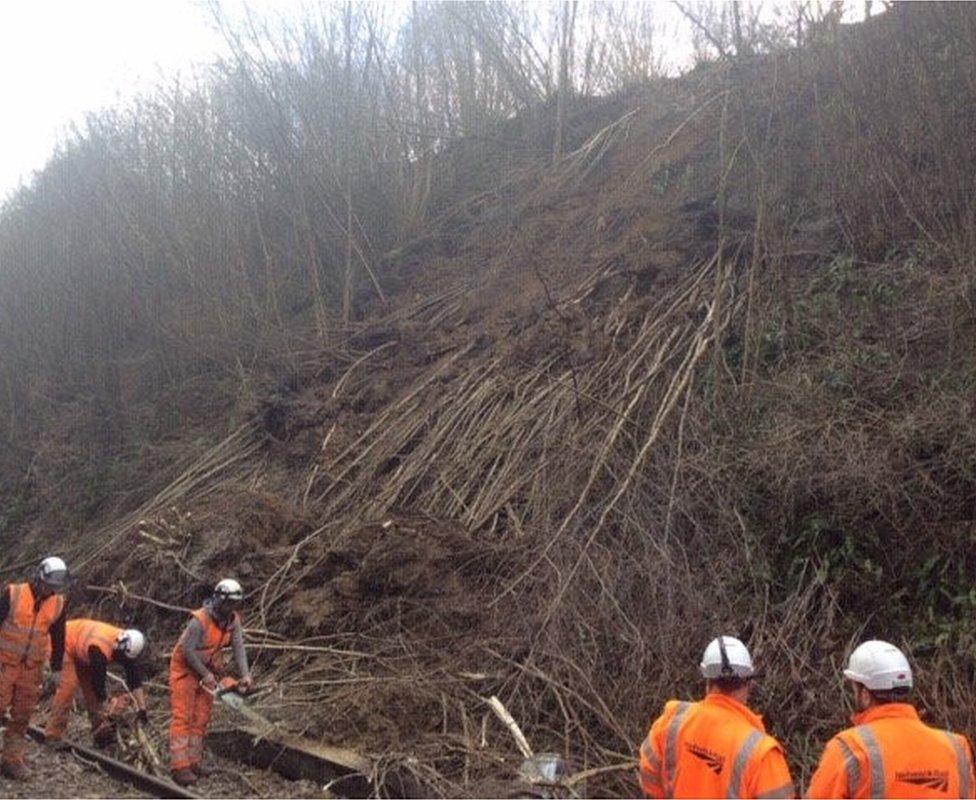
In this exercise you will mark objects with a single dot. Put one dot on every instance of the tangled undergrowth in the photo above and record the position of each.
(733, 393)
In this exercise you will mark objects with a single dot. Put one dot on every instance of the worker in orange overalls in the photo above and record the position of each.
(90, 646)
(890, 752)
(194, 671)
(716, 747)
(33, 620)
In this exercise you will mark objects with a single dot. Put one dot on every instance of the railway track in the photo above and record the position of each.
(152, 785)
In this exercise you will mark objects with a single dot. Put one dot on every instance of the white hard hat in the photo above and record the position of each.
(726, 657)
(130, 643)
(879, 666)
(54, 572)
(228, 589)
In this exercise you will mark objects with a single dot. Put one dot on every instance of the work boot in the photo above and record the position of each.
(184, 777)
(104, 735)
(15, 770)
(204, 770)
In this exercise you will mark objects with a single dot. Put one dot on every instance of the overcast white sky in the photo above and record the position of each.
(62, 58)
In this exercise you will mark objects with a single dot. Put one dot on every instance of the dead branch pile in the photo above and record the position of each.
(646, 394)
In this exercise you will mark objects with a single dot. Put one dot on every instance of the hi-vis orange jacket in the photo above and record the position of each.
(713, 748)
(891, 753)
(82, 634)
(215, 639)
(24, 634)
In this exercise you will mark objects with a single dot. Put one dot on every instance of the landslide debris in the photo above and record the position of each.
(712, 371)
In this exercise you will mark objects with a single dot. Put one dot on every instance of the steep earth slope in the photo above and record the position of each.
(713, 370)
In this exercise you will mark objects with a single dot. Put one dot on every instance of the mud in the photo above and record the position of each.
(381, 628)
(234, 779)
(64, 775)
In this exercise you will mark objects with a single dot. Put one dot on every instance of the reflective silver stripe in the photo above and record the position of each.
(740, 763)
(875, 763)
(27, 642)
(671, 748)
(851, 766)
(779, 793)
(962, 763)
(13, 626)
(648, 752)
(19, 647)
(650, 784)
(650, 768)
(14, 630)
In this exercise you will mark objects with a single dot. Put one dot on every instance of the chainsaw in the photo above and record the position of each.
(229, 693)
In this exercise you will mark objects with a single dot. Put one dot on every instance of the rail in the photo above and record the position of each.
(151, 784)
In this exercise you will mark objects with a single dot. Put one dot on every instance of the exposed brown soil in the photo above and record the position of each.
(381, 620)
(64, 775)
(582, 440)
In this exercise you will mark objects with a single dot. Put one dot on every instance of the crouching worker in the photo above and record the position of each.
(32, 620)
(90, 646)
(716, 747)
(194, 672)
(890, 752)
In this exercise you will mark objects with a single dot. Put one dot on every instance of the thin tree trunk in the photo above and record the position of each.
(347, 156)
(565, 57)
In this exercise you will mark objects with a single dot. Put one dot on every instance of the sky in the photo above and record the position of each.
(62, 58)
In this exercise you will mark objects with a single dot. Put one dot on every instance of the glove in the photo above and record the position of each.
(209, 682)
(143, 716)
(244, 684)
(104, 734)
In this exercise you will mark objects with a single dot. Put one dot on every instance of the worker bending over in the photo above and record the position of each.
(194, 671)
(716, 747)
(33, 619)
(890, 752)
(90, 646)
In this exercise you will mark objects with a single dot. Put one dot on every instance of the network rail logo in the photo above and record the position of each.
(930, 779)
(713, 760)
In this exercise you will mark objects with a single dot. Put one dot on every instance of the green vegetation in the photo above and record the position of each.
(474, 365)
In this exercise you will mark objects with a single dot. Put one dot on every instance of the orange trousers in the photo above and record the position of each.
(20, 689)
(73, 677)
(191, 707)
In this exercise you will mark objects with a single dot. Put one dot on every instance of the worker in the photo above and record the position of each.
(194, 671)
(716, 747)
(90, 646)
(890, 752)
(33, 626)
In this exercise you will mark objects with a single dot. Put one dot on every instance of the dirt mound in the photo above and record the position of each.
(64, 775)
(409, 571)
(617, 405)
